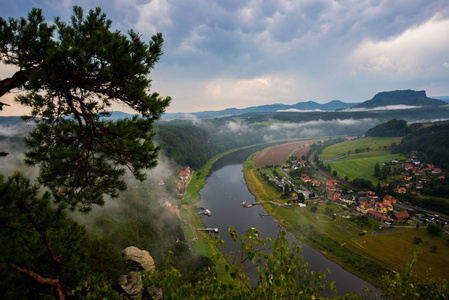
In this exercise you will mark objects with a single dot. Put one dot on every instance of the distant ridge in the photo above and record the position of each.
(443, 98)
(300, 106)
(400, 97)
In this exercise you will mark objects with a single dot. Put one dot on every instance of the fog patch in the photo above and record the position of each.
(299, 110)
(429, 120)
(237, 126)
(308, 132)
(388, 107)
(195, 120)
(19, 129)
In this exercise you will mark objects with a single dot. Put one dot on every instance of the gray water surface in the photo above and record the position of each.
(224, 191)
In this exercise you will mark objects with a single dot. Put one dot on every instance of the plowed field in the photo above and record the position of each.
(278, 155)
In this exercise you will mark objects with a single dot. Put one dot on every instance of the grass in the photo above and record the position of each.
(396, 248)
(362, 165)
(373, 143)
(368, 256)
(255, 184)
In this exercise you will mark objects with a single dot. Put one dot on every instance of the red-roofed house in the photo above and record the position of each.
(331, 183)
(401, 190)
(407, 166)
(333, 196)
(390, 199)
(316, 183)
(383, 207)
(401, 216)
(375, 215)
(436, 171)
(184, 174)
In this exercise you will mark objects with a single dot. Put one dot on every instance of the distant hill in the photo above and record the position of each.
(401, 97)
(443, 98)
(271, 108)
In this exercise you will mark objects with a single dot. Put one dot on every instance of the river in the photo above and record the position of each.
(224, 191)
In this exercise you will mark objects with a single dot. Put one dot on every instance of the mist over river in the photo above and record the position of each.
(224, 191)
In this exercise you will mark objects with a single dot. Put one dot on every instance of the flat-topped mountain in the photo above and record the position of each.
(400, 97)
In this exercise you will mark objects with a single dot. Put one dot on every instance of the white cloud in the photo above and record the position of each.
(417, 50)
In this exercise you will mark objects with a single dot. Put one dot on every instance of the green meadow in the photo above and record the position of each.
(362, 165)
(373, 143)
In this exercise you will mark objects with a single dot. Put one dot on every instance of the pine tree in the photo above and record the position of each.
(70, 74)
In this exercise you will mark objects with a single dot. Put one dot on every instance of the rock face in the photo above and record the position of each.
(138, 260)
(132, 285)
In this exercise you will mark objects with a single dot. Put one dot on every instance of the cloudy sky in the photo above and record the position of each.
(239, 53)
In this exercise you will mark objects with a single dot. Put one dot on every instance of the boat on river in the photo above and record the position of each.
(244, 204)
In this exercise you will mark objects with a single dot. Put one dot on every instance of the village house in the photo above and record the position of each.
(369, 194)
(401, 216)
(389, 198)
(407, 166)
(436, 171)
(420, 172)
(333, 196)
(401, 190)
(330, 184)
(316, 183)
(383, 207)
(407, 178)
(364, 206)
(306, 179)
(376, 216)
(347, 199)
(184, 174)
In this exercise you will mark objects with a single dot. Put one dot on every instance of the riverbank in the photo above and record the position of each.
(305, 225)
(369, 256)
(201, 241)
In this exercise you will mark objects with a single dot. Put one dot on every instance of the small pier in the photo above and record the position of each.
(215, 230)
(206, 212)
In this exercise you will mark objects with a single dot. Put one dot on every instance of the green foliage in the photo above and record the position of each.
(70, 79)
(377, 170)
(433, 229)
(282, 272)
(432, 141)
(40, 244)
(362, 183)
(390, 128)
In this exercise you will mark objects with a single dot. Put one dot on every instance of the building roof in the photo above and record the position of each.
(402, 215)
(373, 213)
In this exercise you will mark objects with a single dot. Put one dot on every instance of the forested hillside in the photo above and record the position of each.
(431, 141)
(190, 145)
(390, 128)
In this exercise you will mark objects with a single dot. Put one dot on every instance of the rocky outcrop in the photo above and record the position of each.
(138, 260)
(132, 285)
